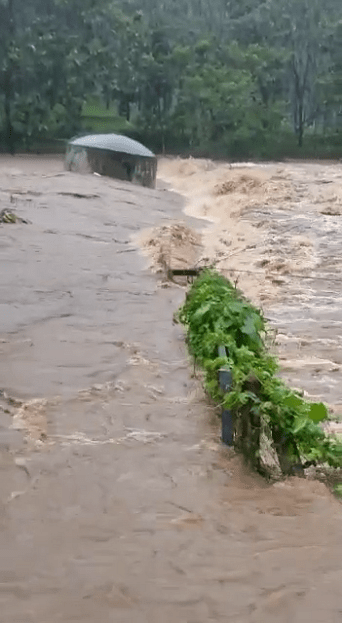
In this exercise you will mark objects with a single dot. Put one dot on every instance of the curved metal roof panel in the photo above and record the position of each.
(113, 142)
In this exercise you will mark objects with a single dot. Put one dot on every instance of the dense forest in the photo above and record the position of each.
(235, 78)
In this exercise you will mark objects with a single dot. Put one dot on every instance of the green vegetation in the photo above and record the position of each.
(216, 313)
(229, 78)
(97, 118)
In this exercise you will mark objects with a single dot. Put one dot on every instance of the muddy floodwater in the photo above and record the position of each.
(118, 503)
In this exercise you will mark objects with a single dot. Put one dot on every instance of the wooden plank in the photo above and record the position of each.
(184, 272)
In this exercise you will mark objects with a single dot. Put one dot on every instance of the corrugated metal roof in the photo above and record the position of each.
(113, 142)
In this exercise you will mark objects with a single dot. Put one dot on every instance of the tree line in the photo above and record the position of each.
(232, 77)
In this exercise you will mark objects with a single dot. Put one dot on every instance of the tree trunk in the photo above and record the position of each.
(300, 127)
(9, 134)
(8, 85)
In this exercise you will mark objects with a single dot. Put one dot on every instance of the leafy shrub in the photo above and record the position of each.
(216, 313)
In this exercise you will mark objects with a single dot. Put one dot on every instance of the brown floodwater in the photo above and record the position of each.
(118, 502)
(276, 229)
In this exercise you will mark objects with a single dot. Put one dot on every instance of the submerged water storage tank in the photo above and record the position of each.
(112, 155)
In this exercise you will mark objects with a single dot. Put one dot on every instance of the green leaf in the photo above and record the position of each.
(299, 424)
(249, 327)
(201, 311)
(318, 412)
(294, 402)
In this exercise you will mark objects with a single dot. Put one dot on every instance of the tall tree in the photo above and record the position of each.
(7, 67)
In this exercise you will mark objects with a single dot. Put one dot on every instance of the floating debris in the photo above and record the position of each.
(7, 216)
